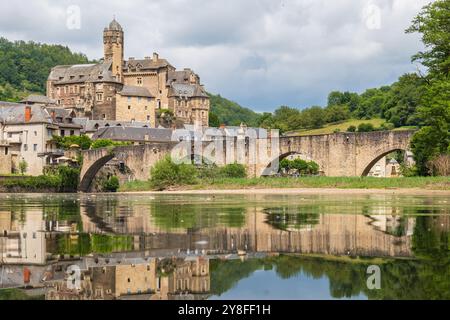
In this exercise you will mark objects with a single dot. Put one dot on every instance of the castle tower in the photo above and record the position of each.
(113, 40)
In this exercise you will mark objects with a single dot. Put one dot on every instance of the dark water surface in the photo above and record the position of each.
(224, 247)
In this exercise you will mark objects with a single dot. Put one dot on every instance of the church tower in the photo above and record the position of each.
(113, 41)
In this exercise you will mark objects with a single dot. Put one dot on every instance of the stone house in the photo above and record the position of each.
(125, 90)
(26, 134)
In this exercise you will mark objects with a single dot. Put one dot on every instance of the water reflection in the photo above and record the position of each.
(197, 247)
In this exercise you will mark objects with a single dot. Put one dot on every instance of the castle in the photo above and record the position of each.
(128, 90)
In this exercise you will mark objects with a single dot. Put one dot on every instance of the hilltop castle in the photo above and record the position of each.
(128, 90)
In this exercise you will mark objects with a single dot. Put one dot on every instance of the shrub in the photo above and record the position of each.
(105, 143)
(83, 141)
(111, 185)
(387, 126)
(69, 178)
(166, 173)
(366, 127)
(351, 129)
(23, 167)
(39, 183)
(440, 165)
(303, 167)
(233, 171)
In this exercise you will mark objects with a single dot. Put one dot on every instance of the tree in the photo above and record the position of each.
(433, 139)
(351, 129)
(23, 166)
(433, 23)
(214, 120)
(403, 99)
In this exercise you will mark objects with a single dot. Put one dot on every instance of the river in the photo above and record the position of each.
(219, 246)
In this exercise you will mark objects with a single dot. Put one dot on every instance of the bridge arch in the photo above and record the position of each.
(267, 170)
(380, 156)
(89, 175)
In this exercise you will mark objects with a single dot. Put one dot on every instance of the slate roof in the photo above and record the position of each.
(14, 113)
(80, 73)
(94, 125)
(38, 99)
(134, 134)
(145, 64)
(135, 91)
(182, 76)
(187, 90)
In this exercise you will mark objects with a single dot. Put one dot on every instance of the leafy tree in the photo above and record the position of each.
(349, 99)
(313, 117)
(433, 139)
(433, 23)
(403, 99)
(372, 103)
(337, 113)
(214, 120)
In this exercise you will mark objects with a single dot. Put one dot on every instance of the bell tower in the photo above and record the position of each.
(113, 42)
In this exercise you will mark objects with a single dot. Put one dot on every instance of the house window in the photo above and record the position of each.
(129, 107)
(6, 151)
(104, 116)
(72, 132)
(35, 133)
(148, 118)
(49, 132)
(25, 147)
(129, 99)
(99, 97)
(139, 81)
(62, 133)
(146, 108)
(9, 135)
(34, 147)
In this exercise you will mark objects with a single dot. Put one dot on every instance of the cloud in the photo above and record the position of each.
(260, 53)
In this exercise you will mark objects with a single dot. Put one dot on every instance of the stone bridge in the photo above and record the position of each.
(339, 154)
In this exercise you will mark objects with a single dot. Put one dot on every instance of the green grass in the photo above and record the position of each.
(428, 183)
(338, 126)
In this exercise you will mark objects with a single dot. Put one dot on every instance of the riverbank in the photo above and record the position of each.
(302, 185)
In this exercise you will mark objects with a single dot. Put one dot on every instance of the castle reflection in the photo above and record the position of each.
(134, 247)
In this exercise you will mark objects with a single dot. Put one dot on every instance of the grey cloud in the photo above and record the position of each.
(260, 53)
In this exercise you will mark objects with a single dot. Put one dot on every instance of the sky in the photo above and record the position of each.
(259, 53)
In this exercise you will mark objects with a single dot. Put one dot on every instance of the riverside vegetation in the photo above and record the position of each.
(168, 175)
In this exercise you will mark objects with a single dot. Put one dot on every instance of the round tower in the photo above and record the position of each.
(113, 41)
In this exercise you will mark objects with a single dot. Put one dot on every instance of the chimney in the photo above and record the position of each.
(27, 114)
(131, 58)
(148, 58)
(53, 114)
(155, 56)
